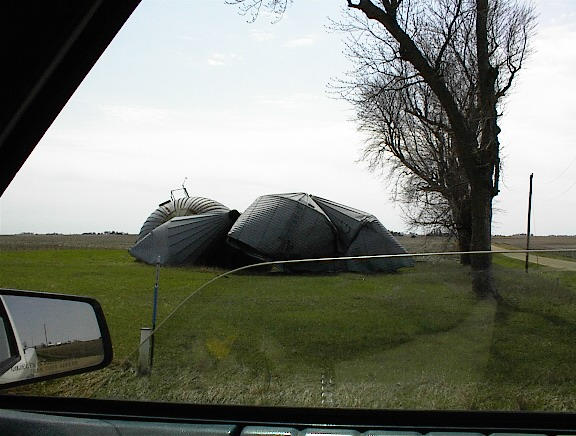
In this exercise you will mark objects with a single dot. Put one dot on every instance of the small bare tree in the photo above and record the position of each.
(467, 53)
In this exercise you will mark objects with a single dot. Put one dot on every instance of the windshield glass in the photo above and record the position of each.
(272, 212)
(415, 339)
(316, 334)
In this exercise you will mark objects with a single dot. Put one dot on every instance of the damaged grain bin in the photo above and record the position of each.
(282, 227)
(185, 239)
(276, 227)
(187, 230)
(185, 206)
(361, 234)
(301, 226)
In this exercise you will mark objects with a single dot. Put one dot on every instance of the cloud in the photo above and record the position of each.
(216, 60)
(135, 113)
(300, 42)
(293, 101)
(261, 35)
(221, 59)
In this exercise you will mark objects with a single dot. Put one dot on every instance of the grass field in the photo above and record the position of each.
(416, 339)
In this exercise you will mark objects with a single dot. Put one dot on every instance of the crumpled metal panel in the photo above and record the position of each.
(284, 226)
(180, 207)
(184, 239)
(361, 234)
(373, 238)
(347, 220)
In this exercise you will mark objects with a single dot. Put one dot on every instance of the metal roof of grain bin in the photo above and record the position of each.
(185, 239)
(347, 220)
(373, 238)
(282, 227)
(179, 207)
(361, 234)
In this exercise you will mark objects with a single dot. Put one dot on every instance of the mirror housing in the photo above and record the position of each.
(45, 336)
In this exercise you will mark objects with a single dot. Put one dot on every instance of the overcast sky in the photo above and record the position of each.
(190, 89)
(63, 320)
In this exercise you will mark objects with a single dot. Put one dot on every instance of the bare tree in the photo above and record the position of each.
(468, 53)
(408, 135)
(252, 8)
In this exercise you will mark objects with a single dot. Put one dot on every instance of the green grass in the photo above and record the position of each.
(415, 339)
(123, 287)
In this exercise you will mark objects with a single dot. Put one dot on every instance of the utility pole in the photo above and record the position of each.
(528, 231)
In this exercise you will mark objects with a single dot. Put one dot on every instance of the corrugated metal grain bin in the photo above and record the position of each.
(361, 234)
(180, 207)
(185, 239)
(284, 226)
(274, 228)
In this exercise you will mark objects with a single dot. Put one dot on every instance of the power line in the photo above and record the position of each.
(559, 176)
(569, 188)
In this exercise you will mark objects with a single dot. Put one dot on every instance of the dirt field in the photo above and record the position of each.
(427, 244)
(72, 350)
(36, 242)
(58, 366)
(536, 242)
(435, 243)
(539, 243)
(418, 244)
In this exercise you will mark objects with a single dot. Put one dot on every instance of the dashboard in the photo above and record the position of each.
(24, 415)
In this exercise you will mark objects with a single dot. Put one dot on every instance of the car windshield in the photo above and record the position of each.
(272, 212)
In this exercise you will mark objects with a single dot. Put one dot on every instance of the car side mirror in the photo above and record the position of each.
(45, 336)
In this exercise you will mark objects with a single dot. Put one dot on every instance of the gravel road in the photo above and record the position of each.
(565, 265)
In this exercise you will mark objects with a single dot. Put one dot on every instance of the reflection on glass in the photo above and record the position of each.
(418, 339)
(52, 336)
(4, 344)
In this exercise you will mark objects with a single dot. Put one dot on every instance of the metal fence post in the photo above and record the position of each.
(145, 352)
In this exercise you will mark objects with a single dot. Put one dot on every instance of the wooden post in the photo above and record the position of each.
(528, 231)
(145, 352)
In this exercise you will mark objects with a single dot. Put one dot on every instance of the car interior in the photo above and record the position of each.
(48, 49)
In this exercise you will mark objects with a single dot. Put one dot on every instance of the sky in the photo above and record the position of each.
(193, 90)
(64, 320)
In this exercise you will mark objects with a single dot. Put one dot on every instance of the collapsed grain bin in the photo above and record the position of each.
(275, 227)
(302, 226)
(185, 206)
(361, 234)
(189, 230)
(282, 227)
(185, 239)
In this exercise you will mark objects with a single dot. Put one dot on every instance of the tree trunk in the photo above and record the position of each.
(481, 208)
(463, 223)
(464, 239)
